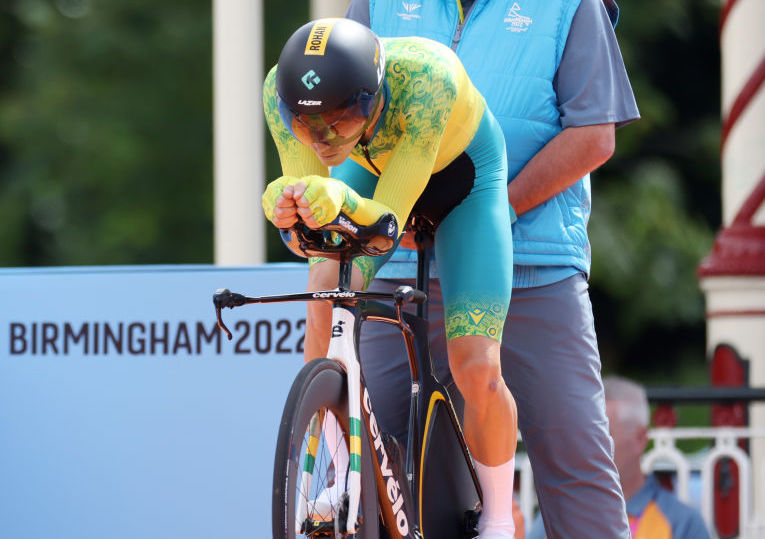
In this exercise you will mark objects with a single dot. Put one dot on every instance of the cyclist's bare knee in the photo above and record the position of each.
(322, 276)
(475, 365)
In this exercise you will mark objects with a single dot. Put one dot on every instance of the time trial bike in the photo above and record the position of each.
(428, 490)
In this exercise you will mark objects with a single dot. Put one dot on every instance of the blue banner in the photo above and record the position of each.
(125, 413)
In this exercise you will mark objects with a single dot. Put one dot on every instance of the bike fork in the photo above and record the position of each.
(342, 350)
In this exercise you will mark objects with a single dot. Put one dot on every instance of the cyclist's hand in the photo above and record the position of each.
(319, 200)
(323, 199)
(279, 202)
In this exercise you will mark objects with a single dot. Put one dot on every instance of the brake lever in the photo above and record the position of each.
(223, 298)
(221, 325)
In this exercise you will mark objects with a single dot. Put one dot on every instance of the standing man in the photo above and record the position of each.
(552, 73)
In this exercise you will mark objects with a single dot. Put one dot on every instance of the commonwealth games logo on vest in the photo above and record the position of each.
(410, 8)
(518, 22)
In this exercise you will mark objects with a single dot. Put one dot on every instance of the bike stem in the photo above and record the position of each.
(344, 279)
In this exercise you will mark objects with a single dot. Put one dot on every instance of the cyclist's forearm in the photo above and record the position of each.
(571, 154)
(364, 211)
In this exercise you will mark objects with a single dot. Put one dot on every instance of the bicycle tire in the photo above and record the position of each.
(320, 385)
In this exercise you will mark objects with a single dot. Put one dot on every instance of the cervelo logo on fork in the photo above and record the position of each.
(392, 486)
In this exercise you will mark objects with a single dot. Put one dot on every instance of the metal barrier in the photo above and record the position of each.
(725, 445)
(665, 456)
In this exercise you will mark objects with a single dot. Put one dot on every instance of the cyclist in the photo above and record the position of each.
(405, 110)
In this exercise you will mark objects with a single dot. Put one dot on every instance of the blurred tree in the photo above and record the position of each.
(656, 203)
(108, 124)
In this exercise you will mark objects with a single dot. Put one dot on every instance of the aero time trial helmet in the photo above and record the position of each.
(330, 71)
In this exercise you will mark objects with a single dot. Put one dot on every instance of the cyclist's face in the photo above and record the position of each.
(331, 135)
(332, 156)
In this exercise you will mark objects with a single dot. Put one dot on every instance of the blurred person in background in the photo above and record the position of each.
(654, 512)
(552, 73)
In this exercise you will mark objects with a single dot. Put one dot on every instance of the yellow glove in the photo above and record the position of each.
(272, 193)
(327, 197)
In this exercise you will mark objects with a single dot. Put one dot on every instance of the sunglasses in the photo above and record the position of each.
(335, 127)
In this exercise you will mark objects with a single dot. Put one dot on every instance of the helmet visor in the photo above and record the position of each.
(335, 127)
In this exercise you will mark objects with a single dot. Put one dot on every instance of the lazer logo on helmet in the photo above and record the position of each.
(318, 37)
(309, 102)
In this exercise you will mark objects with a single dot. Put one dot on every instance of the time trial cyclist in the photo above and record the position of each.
(406, 132)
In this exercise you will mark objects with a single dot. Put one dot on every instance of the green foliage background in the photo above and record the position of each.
(106, 156)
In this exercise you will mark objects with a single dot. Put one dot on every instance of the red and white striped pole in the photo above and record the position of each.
(733, 275)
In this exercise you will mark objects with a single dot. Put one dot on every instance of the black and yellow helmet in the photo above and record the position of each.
(327, 63)
(329, 66)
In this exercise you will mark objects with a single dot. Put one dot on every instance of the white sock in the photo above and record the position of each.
(333, 436)
(497, 486)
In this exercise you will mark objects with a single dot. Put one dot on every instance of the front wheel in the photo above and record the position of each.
(303, 457)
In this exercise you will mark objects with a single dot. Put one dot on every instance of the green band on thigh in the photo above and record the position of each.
(475, 316)
(368, 268)
(368, 265)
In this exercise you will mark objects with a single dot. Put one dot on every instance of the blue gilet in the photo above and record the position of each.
(511, 50)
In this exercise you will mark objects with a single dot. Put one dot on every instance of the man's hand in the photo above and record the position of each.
(319, 200)
(314, 199)
(279, 202)
(571, 154)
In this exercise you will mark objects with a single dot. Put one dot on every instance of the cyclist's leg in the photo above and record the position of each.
(474, 255)
(550, 359)
(324, 504)
(490, 416)
(551, 364)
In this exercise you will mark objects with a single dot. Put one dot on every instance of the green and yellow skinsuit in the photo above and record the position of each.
(441, 154)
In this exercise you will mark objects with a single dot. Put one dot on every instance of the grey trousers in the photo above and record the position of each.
(551, 364)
